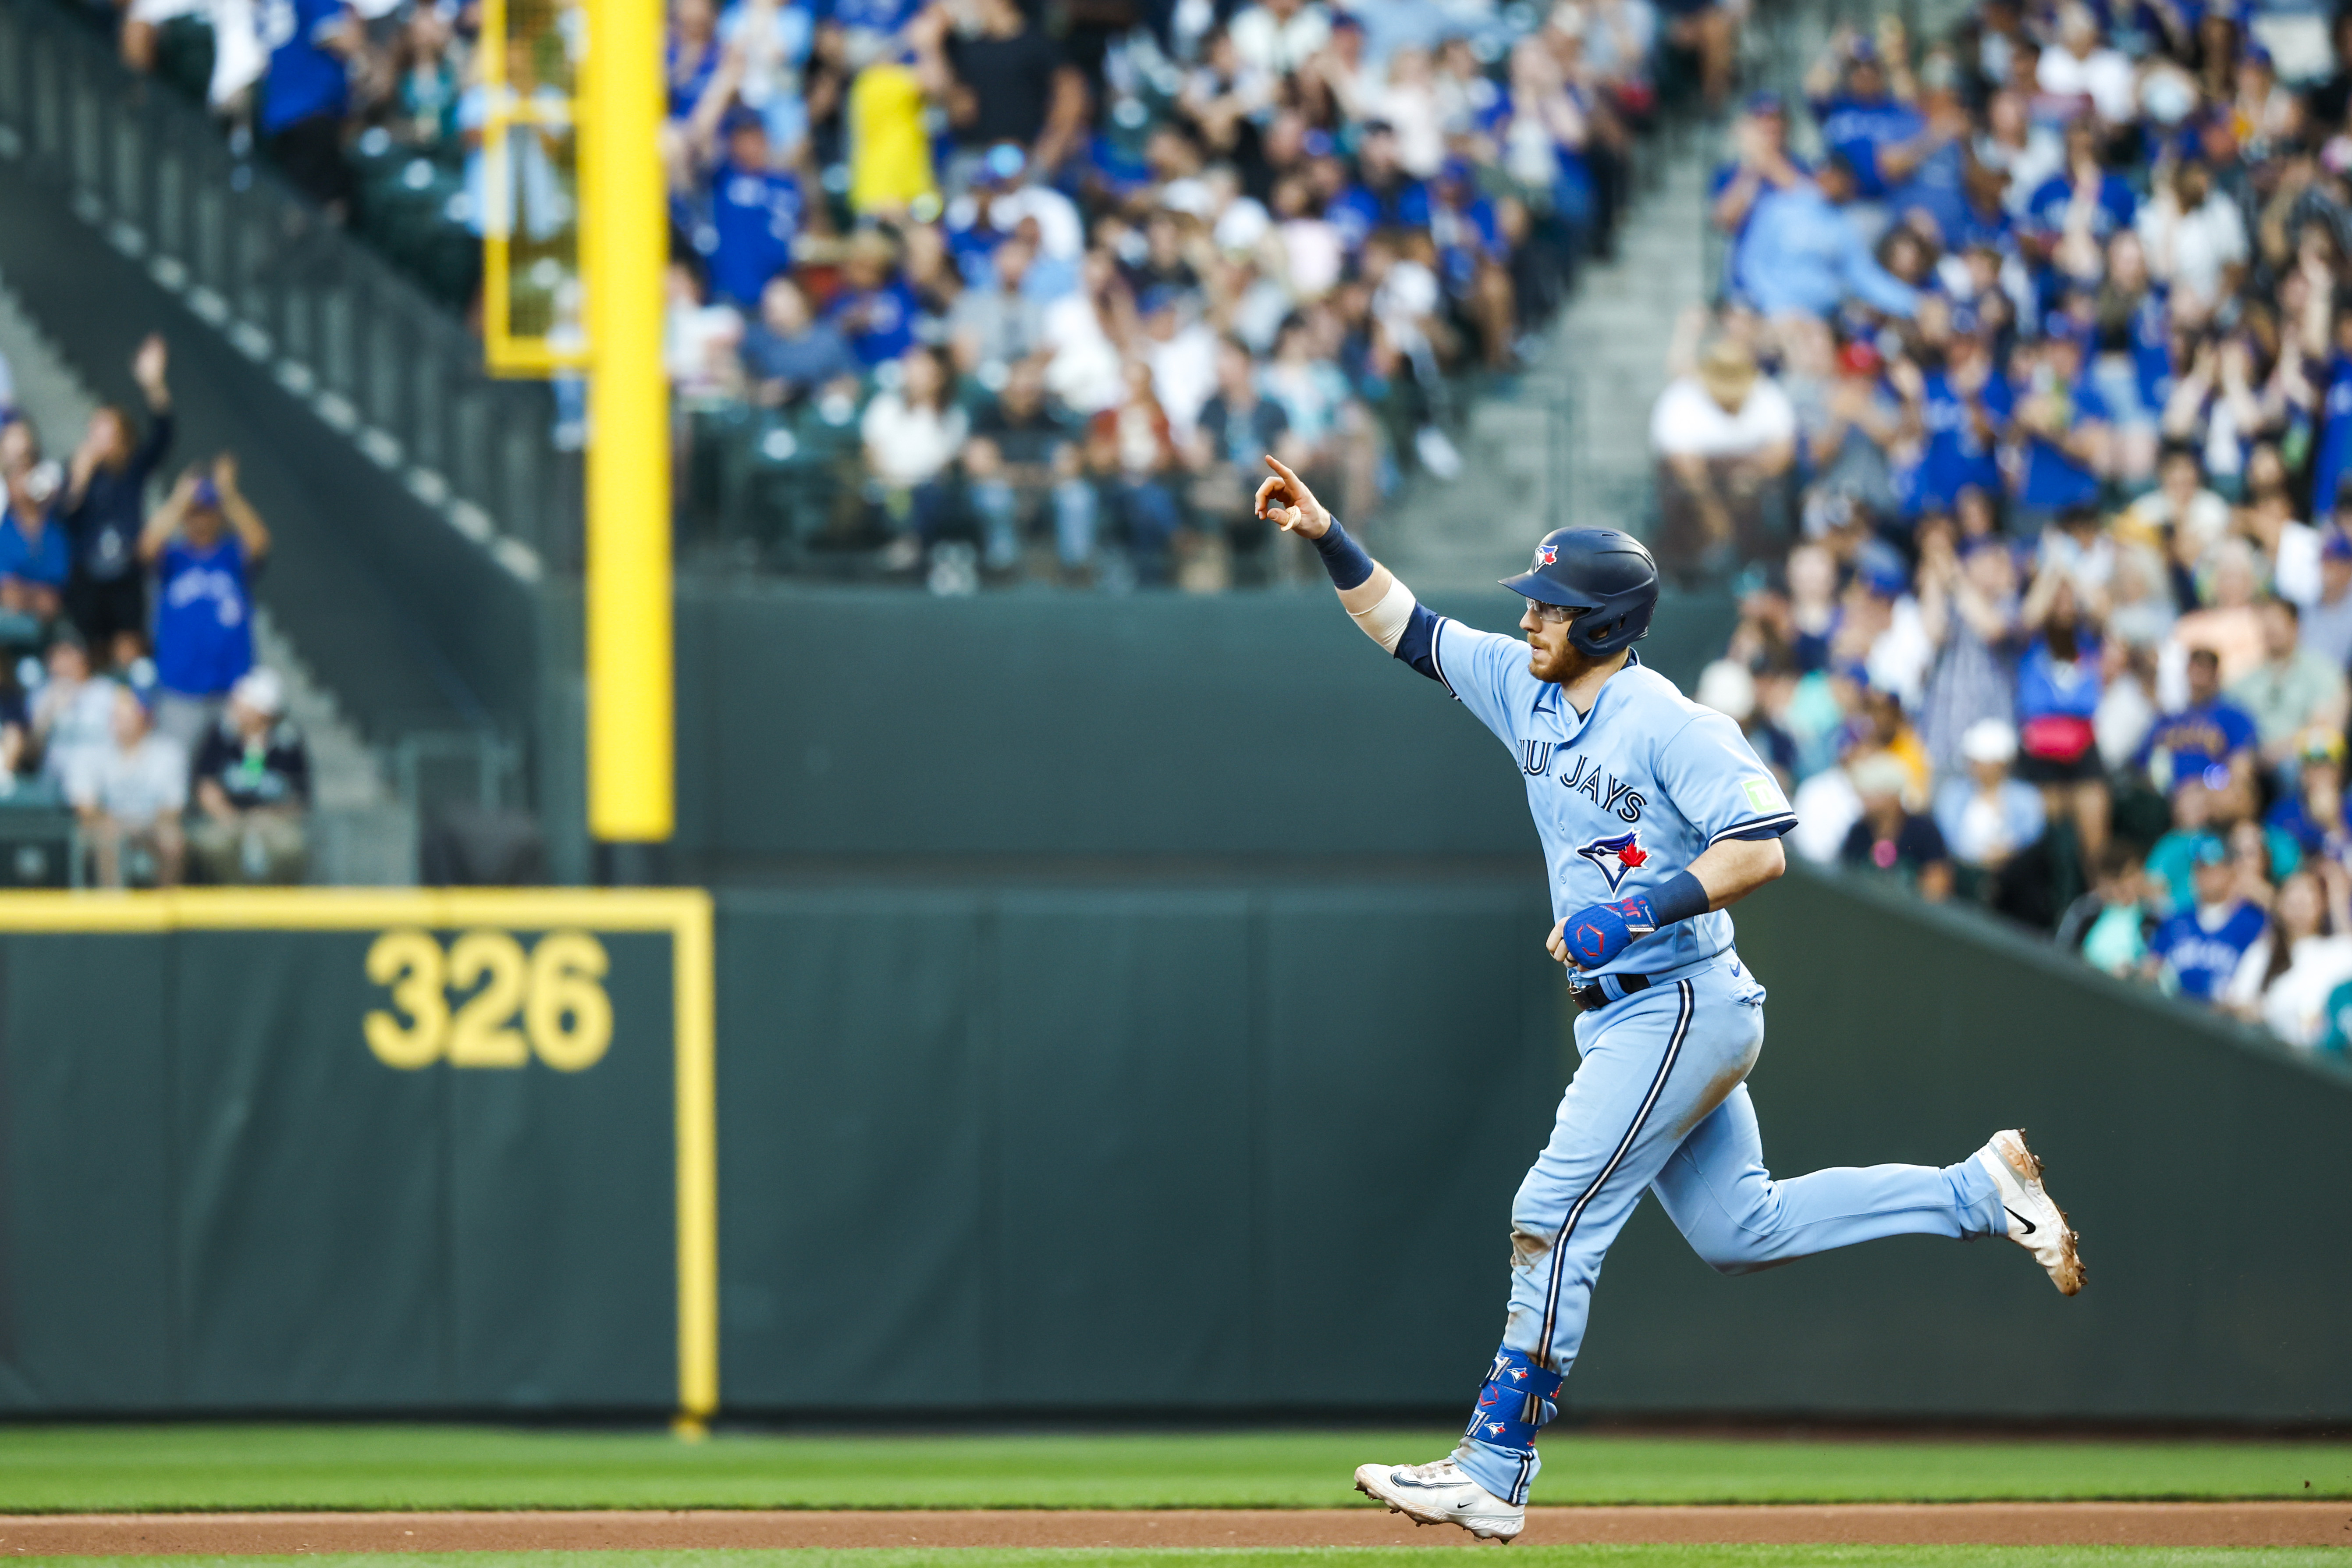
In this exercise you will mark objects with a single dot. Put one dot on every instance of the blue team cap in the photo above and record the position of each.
(1864, 50)
(2334, 546)
(1767, 101)
(2209, 851)
(1318, 144)
(740, 119)
(206, 494)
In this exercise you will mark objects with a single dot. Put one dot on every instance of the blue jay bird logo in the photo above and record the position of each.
(1547, 554)
(1617, 855)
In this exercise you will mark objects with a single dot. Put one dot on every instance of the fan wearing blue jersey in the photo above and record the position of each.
(1656, 817)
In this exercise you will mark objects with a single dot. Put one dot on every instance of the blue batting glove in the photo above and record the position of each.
(1598, 933)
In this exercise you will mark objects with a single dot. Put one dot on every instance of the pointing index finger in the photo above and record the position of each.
(1289, 478)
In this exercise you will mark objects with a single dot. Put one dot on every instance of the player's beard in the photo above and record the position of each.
(1559, 665)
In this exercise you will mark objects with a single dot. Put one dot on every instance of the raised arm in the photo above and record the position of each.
(250, 529)
(1368, 591)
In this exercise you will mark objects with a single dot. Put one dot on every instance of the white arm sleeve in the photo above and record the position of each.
(1384, 622)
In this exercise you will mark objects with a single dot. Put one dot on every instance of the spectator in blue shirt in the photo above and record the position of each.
(876, 311)
(2064, 422)
(1760, 162)
(1383, 196)
(2060, 680)
(755, 212)
(2212, 739)
(788, 354)
(307, 91)
(1926, 176)
(2333, 465)
(2083, 193)
(2199, 948)
(2312, 813)
(1803, 255)
(1858, 112)
(1963, 409)
(203, 545)
(35, 558)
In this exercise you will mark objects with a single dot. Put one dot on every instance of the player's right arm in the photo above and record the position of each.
(1485, 672)
(1368, 591)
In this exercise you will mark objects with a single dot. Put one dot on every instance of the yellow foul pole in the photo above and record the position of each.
(623, 232)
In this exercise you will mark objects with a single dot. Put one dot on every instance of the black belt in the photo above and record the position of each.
(1587, 997)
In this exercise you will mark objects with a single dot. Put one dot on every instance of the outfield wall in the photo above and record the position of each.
(1242, 1146)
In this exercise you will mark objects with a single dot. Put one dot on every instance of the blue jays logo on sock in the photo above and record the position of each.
(1616, 856)
(1494, 1428)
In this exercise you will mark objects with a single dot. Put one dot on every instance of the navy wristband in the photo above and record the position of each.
(1343, 558)
(1682, 897)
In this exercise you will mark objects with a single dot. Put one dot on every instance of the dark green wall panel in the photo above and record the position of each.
(1415, 1060)
(86, 1317)
(1123, 1112)
(817, 723)
(310, 1182)
(562, 1215)
(856, 1217)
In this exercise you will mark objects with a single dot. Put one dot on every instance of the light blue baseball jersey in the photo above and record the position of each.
(1625, 796)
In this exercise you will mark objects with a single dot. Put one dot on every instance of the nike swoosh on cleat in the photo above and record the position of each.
(1422, 1486)
(2030, 1227)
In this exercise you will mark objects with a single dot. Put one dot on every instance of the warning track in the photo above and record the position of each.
(1897, 1524)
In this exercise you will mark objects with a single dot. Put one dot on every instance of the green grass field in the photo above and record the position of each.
(193, 1467)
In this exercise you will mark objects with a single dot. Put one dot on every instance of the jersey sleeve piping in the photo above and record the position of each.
(1436, 655)
(1771, 826)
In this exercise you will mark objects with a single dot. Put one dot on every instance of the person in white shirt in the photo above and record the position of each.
(2195, 240)
(2284, 980)
(132, 796)
(1986, 814)
(2082, 67)
(72, 715)
(2328, 623)
(1280, 35)
(1722, 433)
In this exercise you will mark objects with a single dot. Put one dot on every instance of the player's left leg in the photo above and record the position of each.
(1736, 1216)
(1718, 1192)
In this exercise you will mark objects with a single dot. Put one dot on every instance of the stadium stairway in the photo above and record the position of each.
(360, 834)
(1567, 440)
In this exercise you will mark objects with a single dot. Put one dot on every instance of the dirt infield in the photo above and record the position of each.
(1898, 1524)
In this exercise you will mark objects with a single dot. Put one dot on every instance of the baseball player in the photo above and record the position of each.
(1654, 817)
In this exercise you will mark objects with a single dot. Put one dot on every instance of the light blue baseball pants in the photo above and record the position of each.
(1658, 1102)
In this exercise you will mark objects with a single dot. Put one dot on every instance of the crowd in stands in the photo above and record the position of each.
(973, 289)
(2025, 421)
(129, 693)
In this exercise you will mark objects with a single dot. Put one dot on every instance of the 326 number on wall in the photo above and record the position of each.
(557, 989)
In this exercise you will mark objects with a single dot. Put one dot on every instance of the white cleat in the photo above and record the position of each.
(1442, 1494)
(2035, 1222)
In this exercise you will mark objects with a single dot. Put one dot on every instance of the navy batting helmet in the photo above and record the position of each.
(1606, 573)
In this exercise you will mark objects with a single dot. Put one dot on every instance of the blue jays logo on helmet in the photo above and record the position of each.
(1616, 857)
(1547, 553)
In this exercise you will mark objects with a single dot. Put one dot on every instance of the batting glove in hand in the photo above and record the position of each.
(1598, 933)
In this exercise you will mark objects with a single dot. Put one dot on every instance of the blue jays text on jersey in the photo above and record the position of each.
(1625, 796)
